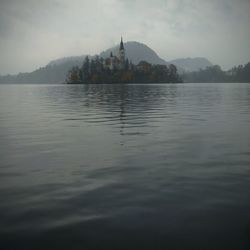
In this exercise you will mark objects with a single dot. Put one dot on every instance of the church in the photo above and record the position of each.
(114, 62)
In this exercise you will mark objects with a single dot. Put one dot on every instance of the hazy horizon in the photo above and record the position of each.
(32, 33)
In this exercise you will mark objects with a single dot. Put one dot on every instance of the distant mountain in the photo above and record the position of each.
(56, 70)
(136, 52)
(77, 60)
(192, 64)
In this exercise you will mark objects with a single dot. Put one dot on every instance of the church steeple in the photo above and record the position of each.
(121, 45)
(122, 55)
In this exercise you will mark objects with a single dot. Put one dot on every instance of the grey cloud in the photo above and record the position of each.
(34, 32)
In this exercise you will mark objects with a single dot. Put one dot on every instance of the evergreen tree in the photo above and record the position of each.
(93, 71)
(86, 69)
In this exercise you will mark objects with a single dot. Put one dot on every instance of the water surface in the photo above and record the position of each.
(125, 166)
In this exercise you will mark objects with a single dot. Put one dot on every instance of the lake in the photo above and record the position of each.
(155, 166)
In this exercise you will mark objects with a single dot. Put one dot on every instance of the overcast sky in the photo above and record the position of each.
(33, 32)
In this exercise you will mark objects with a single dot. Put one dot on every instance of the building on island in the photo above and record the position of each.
(116, 62)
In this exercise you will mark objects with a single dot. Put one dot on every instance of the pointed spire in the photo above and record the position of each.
(121, 44)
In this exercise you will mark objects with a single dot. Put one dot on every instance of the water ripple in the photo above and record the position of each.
(125, 166)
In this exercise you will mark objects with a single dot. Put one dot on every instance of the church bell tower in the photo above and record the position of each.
(122, 54)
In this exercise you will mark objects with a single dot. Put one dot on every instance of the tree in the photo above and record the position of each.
(126, 64)
(86, 69)
(74, 75)
(94, 71)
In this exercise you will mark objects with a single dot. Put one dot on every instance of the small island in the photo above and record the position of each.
(118, 69)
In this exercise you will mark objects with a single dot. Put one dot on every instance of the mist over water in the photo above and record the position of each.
(125, 166)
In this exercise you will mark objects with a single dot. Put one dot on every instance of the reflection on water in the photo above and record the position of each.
(125, 166)
(129, 104)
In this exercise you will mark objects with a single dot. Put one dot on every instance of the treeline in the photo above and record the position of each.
(216, 74)
(95, 71)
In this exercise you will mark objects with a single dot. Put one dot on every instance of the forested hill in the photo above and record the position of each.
(192, 64)
(214, 73)
(94, 71)
(136, 52)
(54, 72)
